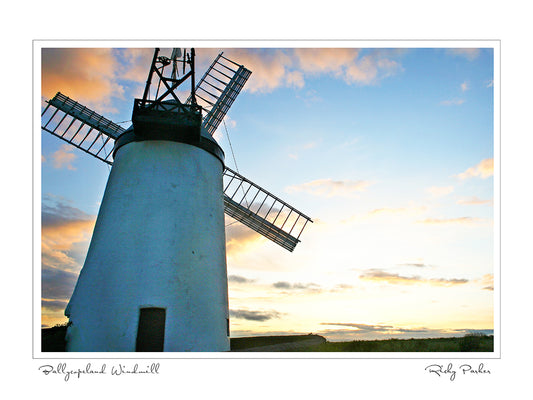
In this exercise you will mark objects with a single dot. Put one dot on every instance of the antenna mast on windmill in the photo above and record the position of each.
(155, 277)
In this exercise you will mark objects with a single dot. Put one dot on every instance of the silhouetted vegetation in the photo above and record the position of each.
(53, 339)
(472, 342)
(478, 343)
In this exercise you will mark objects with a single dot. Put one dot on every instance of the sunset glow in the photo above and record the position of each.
(391, 152)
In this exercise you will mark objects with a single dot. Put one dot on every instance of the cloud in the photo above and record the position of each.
(239, 237)
(64, 157)
(275, 68)
(309, 97)
(444, 221)
(282, 285)
(325, 60)
(94, 76)
(136, 63)
(376, 275)
(295, 79)
(330, 187)
(309, 288)
(487, 282)
(465, 86)
(361, 327)
(251, 315)
(65, 235)
(85, 74)
(239, 279)
(369, 70)
(468, 53)
(312, 287)
(269, 68)
(353, 66)
(341, 286)
(484, 169)
(452, 102)
(53, 305)
(57, 284)
(436, 191)
(359, 331)
(387, 210)
(473, 201)
(368, 331)
(417, 265)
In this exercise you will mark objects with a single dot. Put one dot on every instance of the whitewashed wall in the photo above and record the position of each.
(159, 242)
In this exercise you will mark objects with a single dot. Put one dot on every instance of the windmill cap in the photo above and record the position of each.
(203, 141)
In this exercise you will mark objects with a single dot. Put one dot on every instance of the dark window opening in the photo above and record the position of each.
(227, 325)
(151, 330)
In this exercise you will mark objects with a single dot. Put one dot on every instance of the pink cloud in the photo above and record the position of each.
(269, 67)
(87, 75)
(274, 68)
(64, 157)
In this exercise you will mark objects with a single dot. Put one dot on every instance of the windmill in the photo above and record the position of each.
(155, 276)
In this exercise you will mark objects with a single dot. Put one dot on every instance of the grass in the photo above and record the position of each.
(53, 340)
(468, 343)
(258, 341)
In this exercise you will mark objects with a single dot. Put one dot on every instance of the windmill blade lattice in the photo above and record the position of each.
(261, 211)
(218, 89)
(244, 200)
(81, 127)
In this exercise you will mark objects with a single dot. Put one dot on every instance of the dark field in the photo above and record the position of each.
(244, 343)
(473, 343)
(53, 340)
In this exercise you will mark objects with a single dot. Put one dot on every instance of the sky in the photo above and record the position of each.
(391, 152)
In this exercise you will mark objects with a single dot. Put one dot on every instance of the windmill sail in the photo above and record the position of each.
(261, 211)
(244, 200)
(81, 127)
(218, 89)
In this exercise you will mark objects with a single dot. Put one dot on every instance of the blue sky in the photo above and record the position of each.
(389, 150)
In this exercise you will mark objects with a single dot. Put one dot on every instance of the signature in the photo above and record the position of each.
(122, 369)
(464, 369)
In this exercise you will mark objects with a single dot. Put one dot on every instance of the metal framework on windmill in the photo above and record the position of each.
(214, 94)
(218, 89)
(81, 127)
(260, 210)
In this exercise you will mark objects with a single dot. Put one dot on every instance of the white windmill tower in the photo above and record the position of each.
(155, 277)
